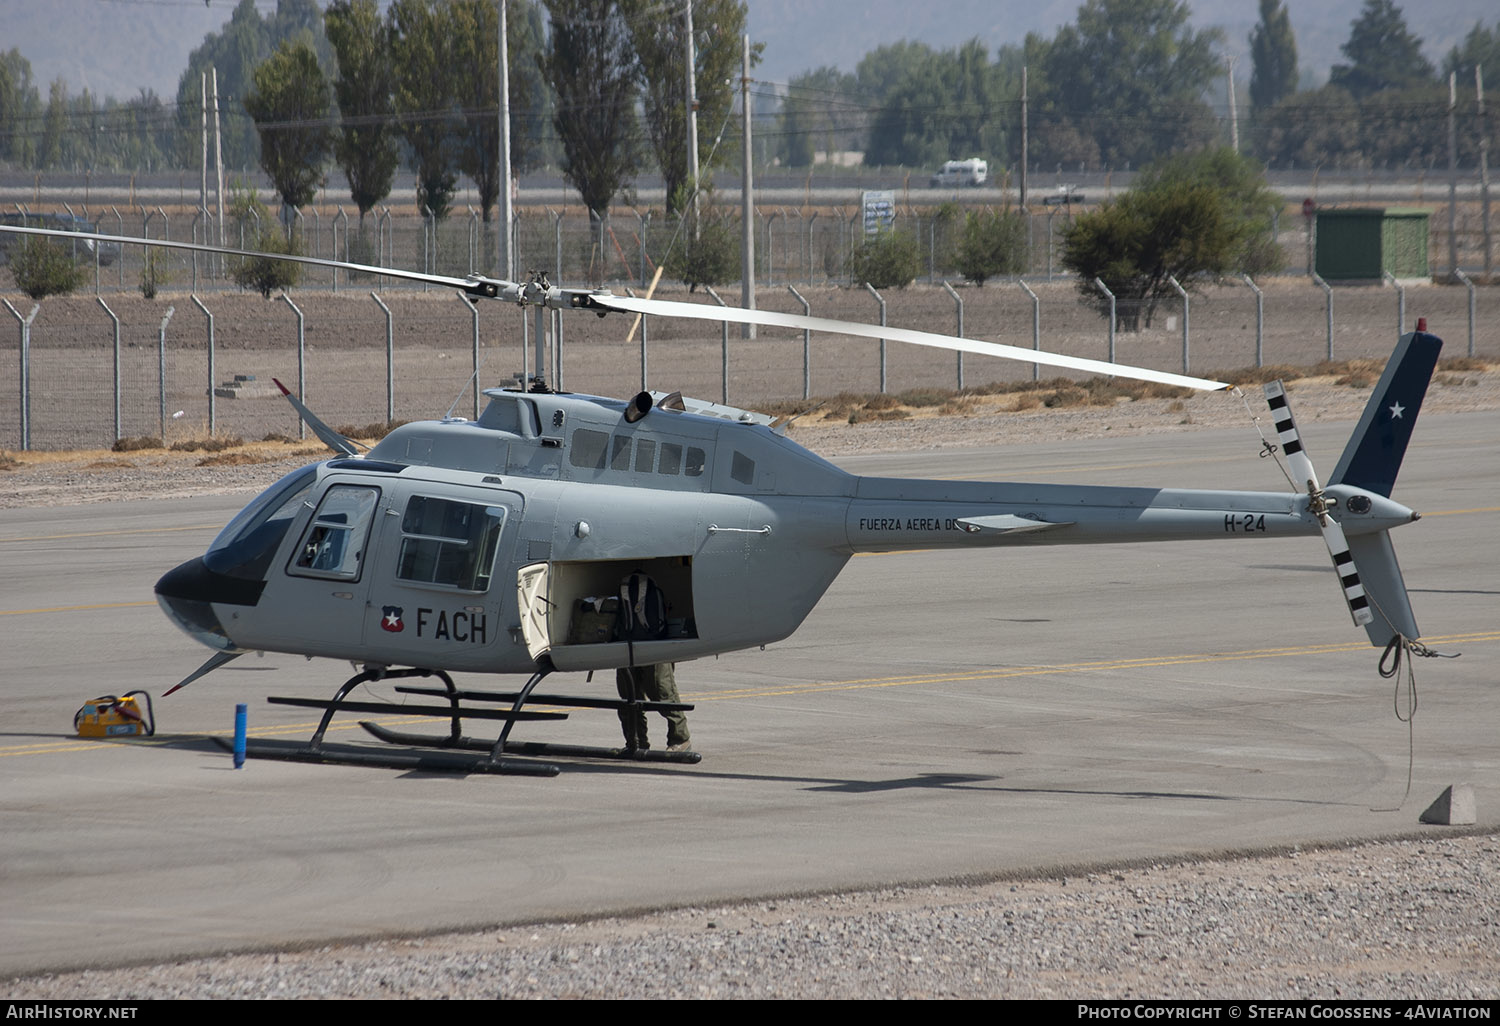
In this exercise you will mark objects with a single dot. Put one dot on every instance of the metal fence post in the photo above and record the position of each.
(1111, 296)
(116, 362)
(161, 369)
(1328, 309)
(811, 222)
(474, 316)
(960, 332)
(120, 230)
(723, 347)
(301, 362)
(1260, 320)
(1470, 286)
(1036, 327)
(473, 232)
(25, 397)
(872, 291)
(806, 346)
(339, 218)
(212, 421)
(1183, 293)
(390, 360)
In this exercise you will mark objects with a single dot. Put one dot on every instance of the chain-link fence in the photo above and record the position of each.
(186, 365)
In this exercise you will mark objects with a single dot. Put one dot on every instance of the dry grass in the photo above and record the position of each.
(209, 444)
(369, 432)
(7, 461)
(234, 459)
(137, 444)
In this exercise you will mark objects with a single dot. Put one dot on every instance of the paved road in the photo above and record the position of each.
(938, 716)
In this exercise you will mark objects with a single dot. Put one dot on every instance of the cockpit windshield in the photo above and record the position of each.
(246, 546)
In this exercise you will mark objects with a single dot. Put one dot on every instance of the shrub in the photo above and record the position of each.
(993, 243)
(713, 258)
(266, 274)
(887, 259)
(44, 268)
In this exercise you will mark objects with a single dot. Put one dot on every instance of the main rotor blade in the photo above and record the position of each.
(487, 288)
(767, 318)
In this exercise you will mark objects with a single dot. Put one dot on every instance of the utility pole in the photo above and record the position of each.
(203, 129)
(1484, 174)
(692, 112)
(503, 264)
(1234, 119)
(747, 252)
(1452, 176)
(1024, 139)
(218, 161)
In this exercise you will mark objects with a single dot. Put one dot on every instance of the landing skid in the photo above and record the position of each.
(453, 750)
(535, 747)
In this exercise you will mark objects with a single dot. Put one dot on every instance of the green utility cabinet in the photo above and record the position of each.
(1363, 243)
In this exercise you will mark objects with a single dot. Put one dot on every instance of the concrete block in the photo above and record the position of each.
(1454, 807)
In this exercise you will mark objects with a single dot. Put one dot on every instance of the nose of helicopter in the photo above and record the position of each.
(187, 593)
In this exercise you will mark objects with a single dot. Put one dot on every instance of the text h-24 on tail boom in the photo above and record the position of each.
(500, 545)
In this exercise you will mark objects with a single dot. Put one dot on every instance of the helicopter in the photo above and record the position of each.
(511, 544)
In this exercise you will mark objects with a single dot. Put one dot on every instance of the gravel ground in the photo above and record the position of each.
(1413, 918)
(1403, 920)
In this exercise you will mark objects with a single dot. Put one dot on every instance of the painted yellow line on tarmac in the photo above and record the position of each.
(111, 534)
(1461, 512)
(74, 609)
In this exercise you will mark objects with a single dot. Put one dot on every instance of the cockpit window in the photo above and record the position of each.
(334, 542)
(247, 544)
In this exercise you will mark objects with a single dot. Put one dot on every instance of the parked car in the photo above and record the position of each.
(956, 173)
(83, 249)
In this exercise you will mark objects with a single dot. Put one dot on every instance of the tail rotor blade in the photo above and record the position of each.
(1333, 535)
(1343, 562)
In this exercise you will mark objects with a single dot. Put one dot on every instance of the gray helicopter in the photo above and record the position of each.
(517, 543)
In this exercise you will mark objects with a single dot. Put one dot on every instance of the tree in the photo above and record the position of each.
(1309, 128)
(1178, 222)
(1382, 53)
(20, 104)
(366, 147)
(245, 40)
(943, 107)
(55, 126)
(423, 53)
(659, 37)
(290, 108)
(593, 76)
(821, 109)
(1480, 49)
(993, 243)
(1240, 184)
(1130, 75)
(1273, 53)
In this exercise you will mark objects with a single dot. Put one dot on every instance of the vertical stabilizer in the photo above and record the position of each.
(1384, 587)
(1373, 456)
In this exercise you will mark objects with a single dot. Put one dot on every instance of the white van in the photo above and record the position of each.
(961, 172)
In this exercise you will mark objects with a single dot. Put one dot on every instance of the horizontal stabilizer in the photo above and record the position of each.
(1385, 588)
(1007, 523)
(1374, 453)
